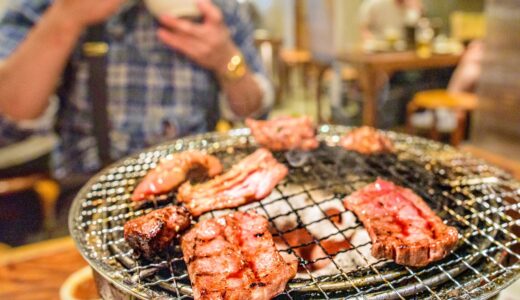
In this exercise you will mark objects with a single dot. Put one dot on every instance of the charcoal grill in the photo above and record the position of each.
(481, 201)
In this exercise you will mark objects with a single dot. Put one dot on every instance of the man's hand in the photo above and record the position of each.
(87, 12)
(209, 44)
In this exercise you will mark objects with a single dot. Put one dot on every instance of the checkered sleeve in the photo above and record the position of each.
(17, 21)
(15, 24)
(239, 23)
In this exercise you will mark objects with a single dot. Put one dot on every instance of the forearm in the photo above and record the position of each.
(210, 45)
(244, 94)
(366, 33)
(29, 76)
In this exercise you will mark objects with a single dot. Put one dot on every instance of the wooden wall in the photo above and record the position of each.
(497, 122)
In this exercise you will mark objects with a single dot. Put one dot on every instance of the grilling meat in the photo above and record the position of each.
(251, 179)
(234, 257)
(366, 140)
(153, 233)
(173, 171)
(401, 225)
(285, 133)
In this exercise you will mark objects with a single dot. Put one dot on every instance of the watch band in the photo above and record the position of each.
(236, 68)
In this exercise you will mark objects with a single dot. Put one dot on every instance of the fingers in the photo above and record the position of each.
(210, 11)
(174, 40)
(181, 26)
(186, 44)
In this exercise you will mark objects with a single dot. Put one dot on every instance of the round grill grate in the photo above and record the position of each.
(481, 201)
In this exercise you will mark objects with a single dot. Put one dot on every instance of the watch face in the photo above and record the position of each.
(241, 70)
(236, 68)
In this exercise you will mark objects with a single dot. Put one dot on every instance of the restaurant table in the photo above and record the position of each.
(37, 271)
(373, 67)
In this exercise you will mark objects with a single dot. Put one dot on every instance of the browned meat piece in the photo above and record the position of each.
(401, 225)
(234, 257)
(366, 140)
(153, 233)
(251, 179)
(285, 133)
(173, 171)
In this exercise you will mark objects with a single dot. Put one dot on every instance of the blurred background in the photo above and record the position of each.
(445, 70)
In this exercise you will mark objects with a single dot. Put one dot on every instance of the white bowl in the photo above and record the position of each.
(176, 8)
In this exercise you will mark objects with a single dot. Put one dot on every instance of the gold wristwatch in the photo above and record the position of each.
(236, 68)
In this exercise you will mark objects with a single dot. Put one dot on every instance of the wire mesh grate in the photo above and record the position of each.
(481, 201)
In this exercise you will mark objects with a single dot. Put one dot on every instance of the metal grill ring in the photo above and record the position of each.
(478, 199)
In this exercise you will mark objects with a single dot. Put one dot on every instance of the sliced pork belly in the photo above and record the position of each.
(250, 180)
(175, 170)
(285, 133)
(366, 140)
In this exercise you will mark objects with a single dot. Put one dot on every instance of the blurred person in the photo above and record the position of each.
(383, 19)
(468, 71)
(165, 75)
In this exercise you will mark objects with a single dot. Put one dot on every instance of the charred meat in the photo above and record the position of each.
(234, 257)
(153, 233)
(285, 133)
(401, 225)
(366, 140)
(251, 179)
(175, 170)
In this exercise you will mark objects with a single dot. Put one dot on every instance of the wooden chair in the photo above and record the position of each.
(24, 169)
(461, 103)
(4, 248)
(47, 190)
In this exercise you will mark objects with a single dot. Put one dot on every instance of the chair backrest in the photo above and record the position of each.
(434, 99)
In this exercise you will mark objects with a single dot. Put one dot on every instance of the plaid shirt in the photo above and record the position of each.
(150, 87)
